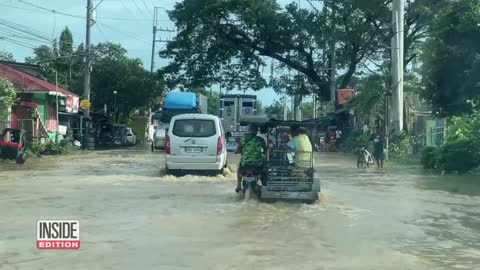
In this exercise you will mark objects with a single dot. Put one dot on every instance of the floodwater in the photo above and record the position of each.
(133, 216)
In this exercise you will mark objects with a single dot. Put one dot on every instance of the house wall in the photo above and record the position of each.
(41, 100)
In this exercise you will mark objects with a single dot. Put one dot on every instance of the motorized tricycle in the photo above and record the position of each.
(282, 179)
(12, 145)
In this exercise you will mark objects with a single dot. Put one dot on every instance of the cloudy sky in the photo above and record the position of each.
(128, 22)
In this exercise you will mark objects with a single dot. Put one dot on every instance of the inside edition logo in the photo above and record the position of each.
(58, 234)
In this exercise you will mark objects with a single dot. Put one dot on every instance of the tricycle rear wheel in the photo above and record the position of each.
(22, 158)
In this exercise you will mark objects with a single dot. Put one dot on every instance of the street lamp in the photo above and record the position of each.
(115, 105)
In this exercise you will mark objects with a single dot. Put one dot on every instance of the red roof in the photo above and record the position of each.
(27, 83)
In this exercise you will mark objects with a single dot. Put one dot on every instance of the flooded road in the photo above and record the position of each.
(133, 216)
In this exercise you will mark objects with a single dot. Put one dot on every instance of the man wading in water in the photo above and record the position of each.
(378, 150)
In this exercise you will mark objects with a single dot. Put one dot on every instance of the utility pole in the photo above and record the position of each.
(156, 29)
(396, 108)
(333, 62)
(86, 90)
(56, 102)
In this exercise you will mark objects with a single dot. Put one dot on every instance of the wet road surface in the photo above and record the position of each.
(133, 216)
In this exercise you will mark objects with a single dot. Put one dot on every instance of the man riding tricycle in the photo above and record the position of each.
(285, 160)
(12, 145)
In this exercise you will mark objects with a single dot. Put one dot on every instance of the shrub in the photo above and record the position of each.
(38, 148)
(430, 157)
(65, 147)
(399, 145)
(461, 155)
(355, 140)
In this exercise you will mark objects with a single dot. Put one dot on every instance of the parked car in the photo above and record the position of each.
(131, 137)
(159, 139)
(195, 142)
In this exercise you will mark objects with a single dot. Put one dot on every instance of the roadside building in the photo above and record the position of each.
(36, 110)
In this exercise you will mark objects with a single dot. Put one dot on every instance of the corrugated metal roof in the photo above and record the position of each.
(27, 83)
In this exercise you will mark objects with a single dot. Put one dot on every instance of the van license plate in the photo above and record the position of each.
(193, 149)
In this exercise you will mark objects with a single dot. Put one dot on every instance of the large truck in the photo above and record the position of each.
(232, 108)
(176, 103)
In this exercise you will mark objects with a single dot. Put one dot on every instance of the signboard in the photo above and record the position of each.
(62, 130)
(85, 104)
(72, 104)
(345, 95)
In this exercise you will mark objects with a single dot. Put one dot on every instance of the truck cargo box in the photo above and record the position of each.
(180, 100)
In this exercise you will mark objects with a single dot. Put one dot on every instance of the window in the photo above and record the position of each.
(247, 104)
(194, 128)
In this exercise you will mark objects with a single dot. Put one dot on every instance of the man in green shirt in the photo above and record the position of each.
(250, 147)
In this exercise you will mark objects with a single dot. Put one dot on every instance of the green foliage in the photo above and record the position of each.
(461, 152)
(65, 147)
(451, 58)
(38, 148)
(6, 56)
(275, 110)
(369, 103)
(7, 96)
(464, 127)
(461, 155)
(399, 146)
(231, 41)
(430, 157)
(356, 140)
(136, 87)
(112, 71)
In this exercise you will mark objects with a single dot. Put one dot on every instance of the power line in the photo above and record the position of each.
(138, 7)
(97, 5)
(51, 10)
(127, 8)
(77, 16)
(146, 7)
(15, 28)
(124, 33)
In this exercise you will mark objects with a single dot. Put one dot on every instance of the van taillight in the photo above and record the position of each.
(167, 145)
(219, 145)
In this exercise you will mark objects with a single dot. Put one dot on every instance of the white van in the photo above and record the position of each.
(195, 142)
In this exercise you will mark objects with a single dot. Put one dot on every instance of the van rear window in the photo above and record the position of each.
(194, 128)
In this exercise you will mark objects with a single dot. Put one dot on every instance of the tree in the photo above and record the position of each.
(228, 42)
(7, 97)
(66, 58)
(45, 57)
(213, 99)
(451, 58)
(136, 87)
(307, 110)
(6, 56)
(275, 110)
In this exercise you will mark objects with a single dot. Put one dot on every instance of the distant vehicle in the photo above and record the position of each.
(177, 103)
(159, 139)
(195, 142)
(12, 145)
(131, 137)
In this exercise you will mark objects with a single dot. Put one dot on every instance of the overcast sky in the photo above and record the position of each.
(128, 22)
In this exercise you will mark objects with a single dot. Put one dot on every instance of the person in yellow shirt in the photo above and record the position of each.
(300, 144)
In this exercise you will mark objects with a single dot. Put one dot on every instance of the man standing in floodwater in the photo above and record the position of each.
(378, 147)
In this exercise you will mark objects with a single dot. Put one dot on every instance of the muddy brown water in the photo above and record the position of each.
(133, 216)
